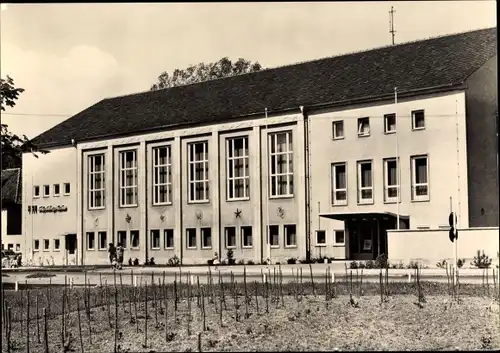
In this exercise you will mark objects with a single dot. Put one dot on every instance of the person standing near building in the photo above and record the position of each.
(119, 254)
(112, 253)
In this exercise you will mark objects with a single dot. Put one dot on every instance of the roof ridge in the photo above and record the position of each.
(308, 61)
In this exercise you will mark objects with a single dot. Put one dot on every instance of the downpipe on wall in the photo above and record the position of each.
(307, 182)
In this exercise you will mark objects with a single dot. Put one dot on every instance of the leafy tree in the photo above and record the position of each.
(13, 145)
(204, 72)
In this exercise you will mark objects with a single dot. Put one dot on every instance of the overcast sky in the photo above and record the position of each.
(70, 56)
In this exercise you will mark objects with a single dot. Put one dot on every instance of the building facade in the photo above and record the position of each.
(325, 171)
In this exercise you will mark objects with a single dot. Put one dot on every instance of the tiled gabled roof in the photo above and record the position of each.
(441, 61)
(11, 186)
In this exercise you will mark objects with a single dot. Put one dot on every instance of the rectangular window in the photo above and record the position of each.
(103, 240)
(230, 236)
(321, 237)
(90, 241)
(281, 164)
(162, 175)
(36, 191)
(18, 247)
(364, 127)
(238, 169)
(191, 238)
(274, 232)
(339, 237)
(339, 183)
(122, 238)
(246, 236)
(46, 245)
(155, 239)
(36, 245)
(57, 244)
(128, 178)
(198, 172)
(57, 190)
(365, 183)
(338, 130)
(96, 181)
(290, 235)
(46, 190)
(418, 120)
(67, 189)
(419, 178)
(389, 123)
(10, 246)
(169, 238)
(206, 238)
(134, 239)
(391, 185)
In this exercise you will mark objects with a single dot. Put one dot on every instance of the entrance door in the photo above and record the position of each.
(71, 247)
(361, 239)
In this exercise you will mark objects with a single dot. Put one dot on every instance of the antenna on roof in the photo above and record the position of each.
(391, 23)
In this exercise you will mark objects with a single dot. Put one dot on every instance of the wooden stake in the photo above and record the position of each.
(165, 313)
(27, 320)
(146, 316)
(312, 279)
(45, 336)
(37, 322)
(256, 296)
(79, 323)
(116, 319)
(246, 293)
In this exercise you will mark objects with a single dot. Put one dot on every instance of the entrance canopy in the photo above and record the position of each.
(363, 215)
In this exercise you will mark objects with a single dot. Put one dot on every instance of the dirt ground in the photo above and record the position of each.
(303, 324)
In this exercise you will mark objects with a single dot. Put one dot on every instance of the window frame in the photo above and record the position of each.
(335, 242)
(360, 125)
(277, 236)
(54, 190)
(243, 246)
(99, 237)
(205, 163)
(414, 196)
(36, 195)
(165, 238)
(386, 125)
(151, 238)
(132, 232)
(226, 237)
(285, 235)
(46, 244)
(119, 234)
(360, 187)
(58, 248)
(245, 158)
(188, 238)
(87, 242)
(333, 184)
(317, 232)
(413, 125)
(64, 189)
(156, 168)
(202, 236)
(122, 179)
(36, 244)
(290, 184)
(334, 130)
(92, 175)
(46, 187)
(387, 198)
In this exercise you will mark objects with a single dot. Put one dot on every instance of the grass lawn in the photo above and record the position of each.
(296, 319)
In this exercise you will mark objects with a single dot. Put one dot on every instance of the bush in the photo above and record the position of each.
(381, 261)
(354, 265)
(210, 262)
(481, 260)
(398, 266)
(441, 264)
(412, 264)
(230, 257)
(291, 261)
(241, 262)
(250, 262)
(174, 261)
(370, 264)
(460, 263)
(136, 262)
(361, 265)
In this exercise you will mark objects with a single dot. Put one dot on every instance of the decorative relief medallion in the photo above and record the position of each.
(280, 212)
(199, 215)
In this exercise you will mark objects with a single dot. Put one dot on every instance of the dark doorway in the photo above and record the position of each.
(71, 246)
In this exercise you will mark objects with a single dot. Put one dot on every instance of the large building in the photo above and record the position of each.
(318, 153)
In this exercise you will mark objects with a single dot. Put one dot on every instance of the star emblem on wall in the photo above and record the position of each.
(199, 215)
(238, 213)
(128, 218)
(162, 217)
(96, 222)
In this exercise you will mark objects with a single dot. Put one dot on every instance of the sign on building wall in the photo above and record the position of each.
(34, 209)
